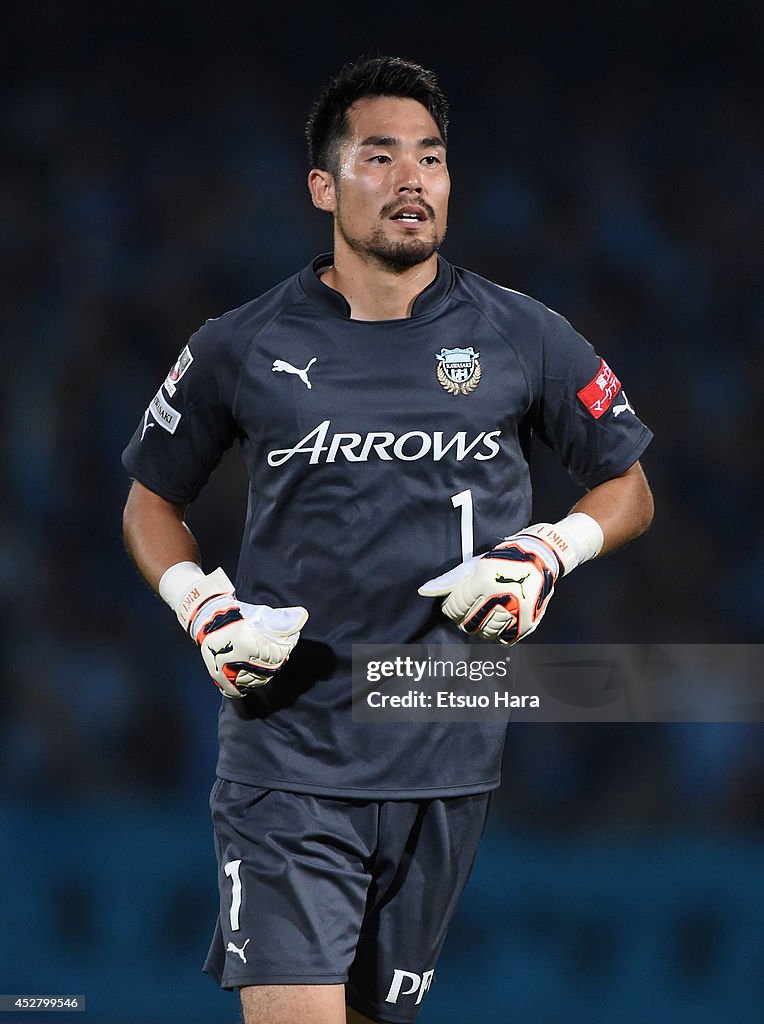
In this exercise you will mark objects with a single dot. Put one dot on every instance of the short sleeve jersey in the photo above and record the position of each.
(356, 437)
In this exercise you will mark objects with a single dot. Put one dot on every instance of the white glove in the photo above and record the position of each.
(503, 594)
(243, 645)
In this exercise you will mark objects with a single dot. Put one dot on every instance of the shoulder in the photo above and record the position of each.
(232, 332)
(542, 339)
(510, 311)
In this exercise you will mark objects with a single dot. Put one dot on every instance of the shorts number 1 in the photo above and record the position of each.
(232, 871)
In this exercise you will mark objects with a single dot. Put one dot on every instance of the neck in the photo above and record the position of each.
(371, 291)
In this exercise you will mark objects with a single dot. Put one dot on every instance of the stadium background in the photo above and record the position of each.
(608, 161)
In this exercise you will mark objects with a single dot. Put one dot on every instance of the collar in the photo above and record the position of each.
(334, 303)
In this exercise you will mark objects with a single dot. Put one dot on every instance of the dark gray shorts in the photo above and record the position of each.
(319, 891)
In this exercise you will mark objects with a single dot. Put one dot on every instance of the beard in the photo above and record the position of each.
(394, 255)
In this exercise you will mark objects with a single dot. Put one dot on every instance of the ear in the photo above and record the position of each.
(322, 190)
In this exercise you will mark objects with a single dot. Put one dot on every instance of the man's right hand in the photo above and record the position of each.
(243, 645)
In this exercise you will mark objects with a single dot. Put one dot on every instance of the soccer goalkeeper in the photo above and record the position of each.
(385, 402)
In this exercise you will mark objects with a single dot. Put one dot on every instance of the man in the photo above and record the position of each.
(385, 403)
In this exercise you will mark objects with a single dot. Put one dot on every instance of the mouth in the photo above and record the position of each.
(410, 215)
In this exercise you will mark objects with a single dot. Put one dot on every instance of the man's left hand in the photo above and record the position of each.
(503, 594)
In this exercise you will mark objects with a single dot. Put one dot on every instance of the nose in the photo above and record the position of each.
(410, 177)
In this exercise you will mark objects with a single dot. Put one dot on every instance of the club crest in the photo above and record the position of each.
(459, 369)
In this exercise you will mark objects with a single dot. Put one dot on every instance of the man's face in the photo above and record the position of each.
(391, 192)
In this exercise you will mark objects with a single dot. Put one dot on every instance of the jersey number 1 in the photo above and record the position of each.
(463, 501)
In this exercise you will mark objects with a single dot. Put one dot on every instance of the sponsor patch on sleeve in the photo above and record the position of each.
(600, 391)
(163, 413)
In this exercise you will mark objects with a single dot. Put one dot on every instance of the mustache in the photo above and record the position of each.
(392, 208)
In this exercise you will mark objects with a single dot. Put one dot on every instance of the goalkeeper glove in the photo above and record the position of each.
(503, 594)
(243, 645)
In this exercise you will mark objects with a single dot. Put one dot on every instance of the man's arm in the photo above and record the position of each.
(243, 645)
(156, 536)
(623, 507)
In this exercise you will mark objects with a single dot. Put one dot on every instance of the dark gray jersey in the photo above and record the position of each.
(357, 436)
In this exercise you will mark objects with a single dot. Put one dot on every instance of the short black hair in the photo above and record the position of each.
(327, 126)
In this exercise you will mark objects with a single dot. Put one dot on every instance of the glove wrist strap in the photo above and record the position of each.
(185, 588)
(575, 539)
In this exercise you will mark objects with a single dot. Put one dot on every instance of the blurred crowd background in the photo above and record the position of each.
(607, 161)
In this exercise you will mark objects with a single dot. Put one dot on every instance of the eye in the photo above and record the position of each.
(431, 160)
(381, 158)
